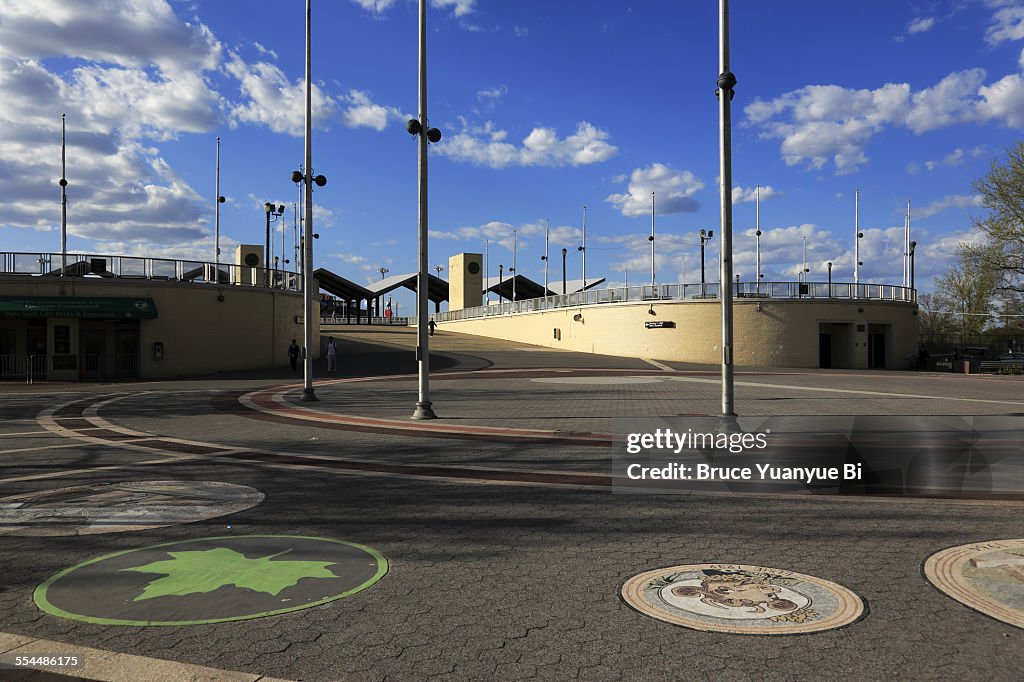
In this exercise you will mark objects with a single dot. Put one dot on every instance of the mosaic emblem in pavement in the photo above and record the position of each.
(986, 576)
(211, 580)
(741, 599)
(118, 507)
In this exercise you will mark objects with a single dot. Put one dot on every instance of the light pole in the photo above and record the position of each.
(757, 236)
(913, 247)
(63, 182)
(726, 82)
(487, 270)
(583, 248)
(421, 127)
(564, 251)
(856, 242)
(547, 229)
(306, 177)
(829, 279)
(803, 269)
(515, 261)
(216, 220)
(651, 239)
(383, 271)
(705, 237)
(273, 213)
(501, 277)
(438, 269)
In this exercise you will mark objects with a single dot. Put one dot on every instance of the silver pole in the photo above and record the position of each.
(423, 408)
(515, 261)
(584, 248)
(216, 220)
(652, 239)
(757, 236)
(308, 394)
(726, 82)
(909, 258)
(547, 230)
(63, 202)
(487, 270)
(856, 239)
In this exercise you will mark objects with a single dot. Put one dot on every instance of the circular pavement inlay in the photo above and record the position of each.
(117, 507)
(742, 599)
(599, 381)
(211, 580)
(986, 576)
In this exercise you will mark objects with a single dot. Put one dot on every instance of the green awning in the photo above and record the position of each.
(75, 306)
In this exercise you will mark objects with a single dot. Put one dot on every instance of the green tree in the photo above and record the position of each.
(1002, 194)
(968, 290)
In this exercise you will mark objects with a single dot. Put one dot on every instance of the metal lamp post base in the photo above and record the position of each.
(728, 423)
(308, 396)
(423, 411)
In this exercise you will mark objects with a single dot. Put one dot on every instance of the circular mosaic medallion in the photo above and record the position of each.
(118, 507)
(986, 576)
(741, 599)
(211, 580)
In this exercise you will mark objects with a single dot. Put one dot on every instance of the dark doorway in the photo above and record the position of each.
(126, 349)
(35, 344)
(876, 350)
(92, 348)
(8, 353)
(825, 351)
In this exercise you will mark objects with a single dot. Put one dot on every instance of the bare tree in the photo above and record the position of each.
(1002, 193)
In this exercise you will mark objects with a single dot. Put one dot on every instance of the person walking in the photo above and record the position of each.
(293, 355)
(332, 355)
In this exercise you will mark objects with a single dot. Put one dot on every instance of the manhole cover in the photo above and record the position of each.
(118, 507)
(741, 599)
(211, 580)
(986, 576)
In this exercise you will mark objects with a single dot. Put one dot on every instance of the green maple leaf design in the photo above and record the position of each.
(207, 570)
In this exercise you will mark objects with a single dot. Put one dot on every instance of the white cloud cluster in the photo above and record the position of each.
(956, 157)
(375, 6)
(1007, 22)
(742, 195)
(921, 25)
(819, 123)
(486, 145)
(459, 7)
(272, 100)
(673, 191)
(947, 202)
(364, 112)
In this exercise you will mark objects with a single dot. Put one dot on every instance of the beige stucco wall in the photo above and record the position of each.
(769, 334)
(250, 329)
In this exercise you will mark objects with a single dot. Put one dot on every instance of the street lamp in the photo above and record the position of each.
(651, 240)
(705, 237)
(438, 269)
(564, 251)
(421, 127)
(383, 271)
(273, 213)
(913, 246)
(308, 179)
(501, 276)
(829, 279)
(583, 248)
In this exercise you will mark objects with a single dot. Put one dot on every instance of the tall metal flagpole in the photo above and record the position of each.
(308, 394)
(216, 219)
(63, 202)
(487, 270)
(856, 239)
(726, 83)
(652, 239)
(584, 248)
(515, 261)
(547, 231)
(757, 236)
(423, 408)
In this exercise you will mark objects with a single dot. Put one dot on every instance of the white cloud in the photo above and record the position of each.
(822, 123)
(491, 95)
(1007, 23)
(460, 7)
(673, 191)
(486, 146)
(766, 192)
(921, 24)
(375, 6)
(363, 112)
(945, 203)
(955, 158)
(270, 99)
(501, 234)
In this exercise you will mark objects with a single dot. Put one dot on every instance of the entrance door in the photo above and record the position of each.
(876, 350)
(8, 353)
(92, 347)
(126, 349)
(825, 351)
(35, 343)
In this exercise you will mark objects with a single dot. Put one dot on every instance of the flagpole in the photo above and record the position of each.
(726, 83)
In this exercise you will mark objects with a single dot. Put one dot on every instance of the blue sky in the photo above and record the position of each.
(546, 107)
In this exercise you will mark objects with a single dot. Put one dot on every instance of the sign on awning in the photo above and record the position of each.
(92, 308)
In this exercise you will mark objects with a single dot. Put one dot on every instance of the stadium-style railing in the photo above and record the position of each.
(837, 291)
(132, 267)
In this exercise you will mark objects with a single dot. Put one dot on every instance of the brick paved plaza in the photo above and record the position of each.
(488, 544)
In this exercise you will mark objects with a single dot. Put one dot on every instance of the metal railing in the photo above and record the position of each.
(837, 291)
(132, 267)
